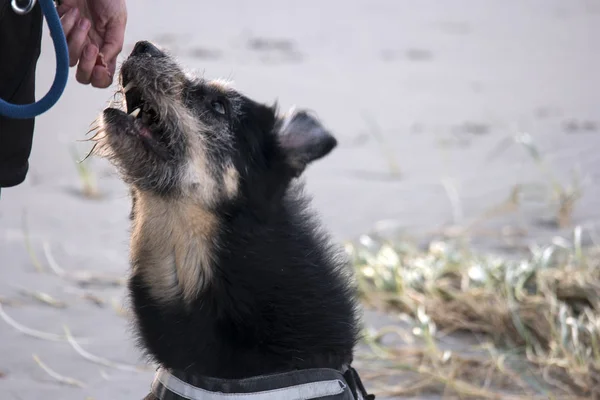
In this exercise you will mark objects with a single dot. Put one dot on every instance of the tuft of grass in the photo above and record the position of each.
(56, 376)
(87, 177)
(563, 196)
(42, 297)
(30, 331)
(540, 315)
(29, 246)
(375, 131)
(83, 277)
(100, 360)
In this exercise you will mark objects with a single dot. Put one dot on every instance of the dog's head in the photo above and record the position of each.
(185, 136)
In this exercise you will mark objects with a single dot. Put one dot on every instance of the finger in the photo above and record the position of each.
(103, 74)
(113, 39)
(77, 39)
(101, 77)
(62, 9)
(69, 19)
(86, 64)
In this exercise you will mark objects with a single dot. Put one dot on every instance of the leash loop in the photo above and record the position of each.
(22, 9)
(28, 111)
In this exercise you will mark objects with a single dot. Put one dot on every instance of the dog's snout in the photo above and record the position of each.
(146, 48)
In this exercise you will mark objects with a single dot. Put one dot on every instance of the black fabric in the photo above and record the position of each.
(356, 385)
(20, 44)
(257, 384)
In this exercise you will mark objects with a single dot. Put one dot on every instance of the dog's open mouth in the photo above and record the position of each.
(143, 119)
(143, 111)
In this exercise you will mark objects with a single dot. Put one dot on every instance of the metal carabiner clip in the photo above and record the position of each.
(22, 7)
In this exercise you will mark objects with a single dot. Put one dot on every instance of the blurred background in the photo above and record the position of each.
(462, 124)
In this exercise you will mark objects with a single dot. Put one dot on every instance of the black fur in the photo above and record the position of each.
(278, 300)
(279, 297)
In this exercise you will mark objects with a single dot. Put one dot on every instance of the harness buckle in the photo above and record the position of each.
(22, 7)
(356, 386)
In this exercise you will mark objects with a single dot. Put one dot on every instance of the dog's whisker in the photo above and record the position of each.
(89, 153)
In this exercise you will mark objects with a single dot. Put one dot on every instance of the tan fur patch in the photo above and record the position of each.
(221, 84)
(231, 181)
(197, 179)
(187, 121)
(173, 243)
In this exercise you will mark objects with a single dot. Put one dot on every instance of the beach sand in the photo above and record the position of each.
(421, 96)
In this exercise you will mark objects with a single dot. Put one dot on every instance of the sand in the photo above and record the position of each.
(439, 85)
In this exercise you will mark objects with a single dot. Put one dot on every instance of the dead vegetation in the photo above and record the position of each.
(87, 177)
(560, 197)
(534, 322)
(536, 317)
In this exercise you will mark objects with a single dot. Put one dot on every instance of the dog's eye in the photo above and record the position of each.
(218, 107)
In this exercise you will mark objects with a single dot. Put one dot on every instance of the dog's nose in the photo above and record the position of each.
(146, 48)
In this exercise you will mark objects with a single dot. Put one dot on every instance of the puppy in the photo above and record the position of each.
(235, 288)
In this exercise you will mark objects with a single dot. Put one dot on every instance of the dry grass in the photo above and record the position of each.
(28, 246)
(540, 316)
(390, 156)
(56, 376)
(561, 197)
(87, 178)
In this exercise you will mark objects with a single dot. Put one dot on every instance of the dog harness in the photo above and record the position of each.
(318, 383)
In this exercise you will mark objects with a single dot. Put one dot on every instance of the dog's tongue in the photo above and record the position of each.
(145, 132)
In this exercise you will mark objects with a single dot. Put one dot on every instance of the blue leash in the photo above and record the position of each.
(28, 111)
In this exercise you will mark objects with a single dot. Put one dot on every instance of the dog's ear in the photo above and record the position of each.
(303, 139)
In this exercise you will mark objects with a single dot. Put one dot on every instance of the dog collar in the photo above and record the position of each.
(296, 385)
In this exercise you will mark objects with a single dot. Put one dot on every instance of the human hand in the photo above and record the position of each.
(95, 31)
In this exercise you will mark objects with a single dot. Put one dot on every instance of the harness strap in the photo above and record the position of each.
(167, 386)
(28, 111)
(356, 386)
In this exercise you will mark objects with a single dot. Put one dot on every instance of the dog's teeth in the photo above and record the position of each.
(129, 86)
(135, 112)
